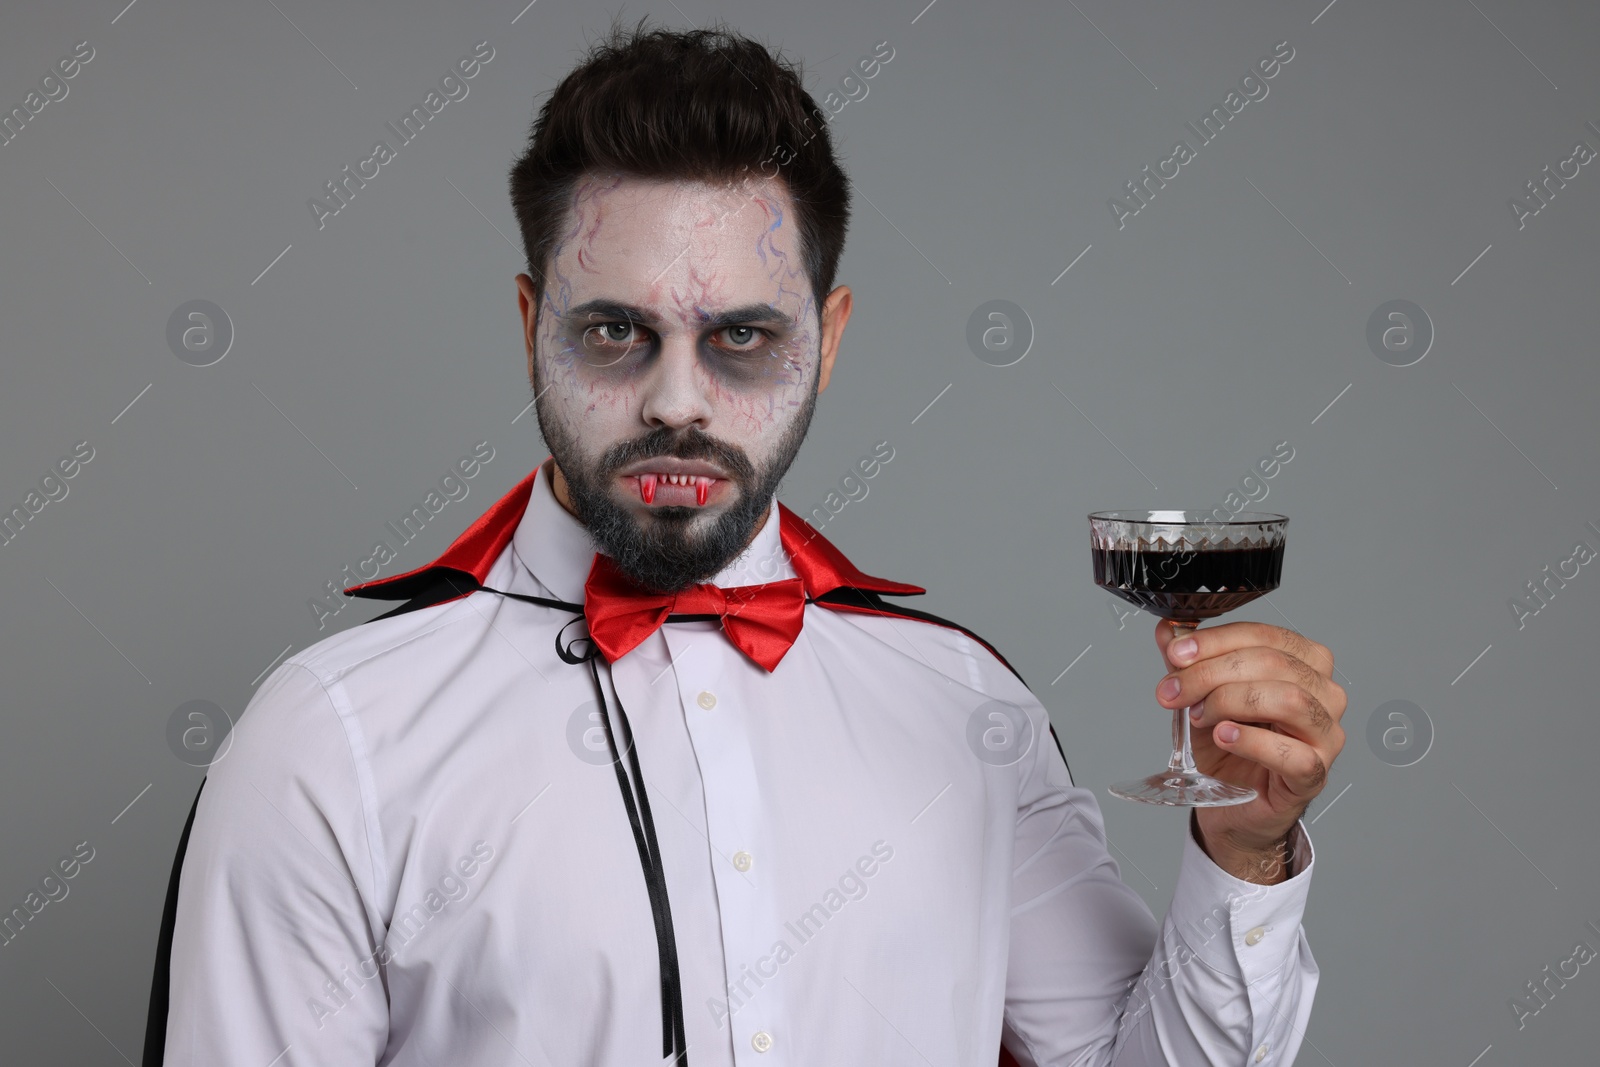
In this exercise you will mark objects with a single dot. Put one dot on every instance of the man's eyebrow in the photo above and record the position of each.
(736, 316)
(748, 313)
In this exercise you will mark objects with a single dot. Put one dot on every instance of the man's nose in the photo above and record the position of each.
(675, 394)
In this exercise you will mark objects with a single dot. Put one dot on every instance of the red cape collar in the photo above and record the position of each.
(820, 565)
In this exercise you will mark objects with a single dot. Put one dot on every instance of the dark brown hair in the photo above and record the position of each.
(708, 105)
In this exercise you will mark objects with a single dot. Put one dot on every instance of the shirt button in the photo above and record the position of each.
(741, 862)
(707, 699)
(1251, 936)
(761, 1041)
(1261, 1053)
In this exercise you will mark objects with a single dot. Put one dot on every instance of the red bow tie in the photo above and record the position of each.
(761, 620)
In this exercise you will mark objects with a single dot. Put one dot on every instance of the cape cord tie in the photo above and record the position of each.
(637, 802)
(634, 797)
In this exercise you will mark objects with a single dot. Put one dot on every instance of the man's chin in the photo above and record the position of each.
(673, 516)
(672, 540)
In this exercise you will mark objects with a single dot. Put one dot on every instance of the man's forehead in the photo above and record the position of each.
(596, 195)
(686, 251)
(632, 217)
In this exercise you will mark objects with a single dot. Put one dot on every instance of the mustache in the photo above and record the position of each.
(679, 444)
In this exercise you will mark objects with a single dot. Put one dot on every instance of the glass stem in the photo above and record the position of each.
(1182, 761)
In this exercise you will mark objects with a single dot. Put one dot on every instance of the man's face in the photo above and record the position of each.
(676, 360)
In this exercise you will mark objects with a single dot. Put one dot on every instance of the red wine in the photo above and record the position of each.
(1190, 584)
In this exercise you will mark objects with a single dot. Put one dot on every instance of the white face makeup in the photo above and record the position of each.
(676, 358)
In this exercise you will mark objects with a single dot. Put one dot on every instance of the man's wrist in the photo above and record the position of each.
(1267, 865)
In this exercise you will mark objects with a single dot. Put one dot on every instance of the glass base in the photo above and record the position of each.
(1183, 790)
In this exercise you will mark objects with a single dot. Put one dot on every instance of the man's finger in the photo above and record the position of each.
(1297, 712)
(1213, 641)
(1299, 765)
(1255, 663)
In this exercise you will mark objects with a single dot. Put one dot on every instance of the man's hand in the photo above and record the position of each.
(1270, 713)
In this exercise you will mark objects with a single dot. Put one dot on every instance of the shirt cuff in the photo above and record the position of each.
(1238, 928)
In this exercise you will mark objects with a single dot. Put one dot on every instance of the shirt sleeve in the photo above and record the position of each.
(274, 955)
(1226, 978)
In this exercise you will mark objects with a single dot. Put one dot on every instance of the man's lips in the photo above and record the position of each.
(670, 481)
(666, 489)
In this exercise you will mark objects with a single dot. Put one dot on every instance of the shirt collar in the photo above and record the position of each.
(557, 551)
(555, 547)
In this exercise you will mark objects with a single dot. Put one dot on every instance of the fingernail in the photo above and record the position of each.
(1227, 732)
(1197, 712)
(1169, 688)
(1184, 650)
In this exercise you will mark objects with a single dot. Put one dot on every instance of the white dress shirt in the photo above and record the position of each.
(414, 852)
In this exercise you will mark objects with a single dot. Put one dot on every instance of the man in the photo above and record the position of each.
(646, 768)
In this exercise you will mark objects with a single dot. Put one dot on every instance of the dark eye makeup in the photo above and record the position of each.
(739, 350)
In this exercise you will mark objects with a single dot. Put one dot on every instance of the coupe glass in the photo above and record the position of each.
(1186, 566)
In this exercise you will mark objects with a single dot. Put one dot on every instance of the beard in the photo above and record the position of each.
(663, 553)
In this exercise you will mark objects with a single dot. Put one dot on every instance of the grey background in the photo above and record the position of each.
(1225, 317)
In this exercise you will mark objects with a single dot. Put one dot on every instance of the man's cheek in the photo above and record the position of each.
(761, 383)
(555, 347)
(567, 368)
(796, 363)
(561, 396)
(774, 378)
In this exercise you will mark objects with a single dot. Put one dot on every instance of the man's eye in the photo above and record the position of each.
(744, 338)
(611, 333)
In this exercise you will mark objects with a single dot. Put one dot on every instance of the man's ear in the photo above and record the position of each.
(528, 308)
(835, 313)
